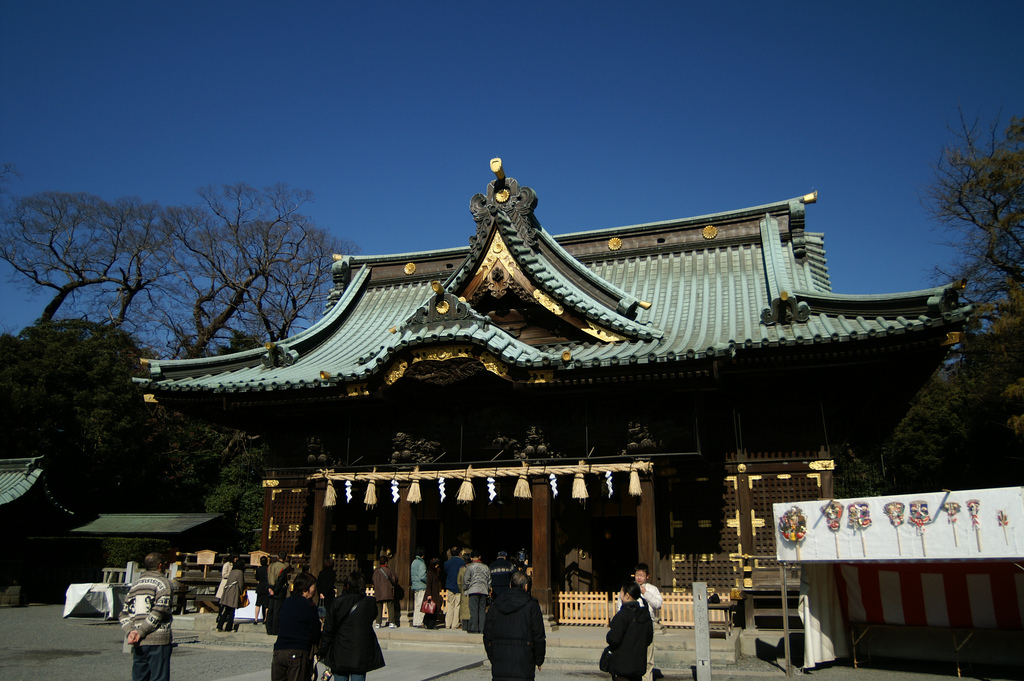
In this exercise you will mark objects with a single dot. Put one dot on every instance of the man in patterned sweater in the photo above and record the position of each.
(146, 622)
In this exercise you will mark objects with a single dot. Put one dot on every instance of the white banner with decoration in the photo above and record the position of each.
(956, 525)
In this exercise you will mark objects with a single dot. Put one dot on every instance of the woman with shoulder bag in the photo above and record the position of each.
(632, 630)
(433, 594)
(349, 644)
(231, 596)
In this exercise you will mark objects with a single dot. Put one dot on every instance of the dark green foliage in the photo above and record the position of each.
(239, 493)
(118, 551)
(66, 394)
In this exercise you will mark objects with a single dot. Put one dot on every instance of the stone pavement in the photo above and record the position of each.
(35, 642)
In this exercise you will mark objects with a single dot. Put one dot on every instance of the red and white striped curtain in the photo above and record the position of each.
(970, 595)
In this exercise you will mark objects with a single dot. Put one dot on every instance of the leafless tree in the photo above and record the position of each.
(249, 261)
(241, 263)
(94, 256)
(978, 194)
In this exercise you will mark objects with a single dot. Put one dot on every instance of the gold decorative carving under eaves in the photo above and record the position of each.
(356, 390)
(543, 376)
(444, 353)
(602, 334)
(497, 253)
(271, 483)
(396, 371)
(824, 465)
(549, 303)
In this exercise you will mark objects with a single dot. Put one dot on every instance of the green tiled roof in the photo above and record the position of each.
(725, 285)
(17, 477)
(146, 523)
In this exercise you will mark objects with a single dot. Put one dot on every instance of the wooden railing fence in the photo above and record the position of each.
(597, 608)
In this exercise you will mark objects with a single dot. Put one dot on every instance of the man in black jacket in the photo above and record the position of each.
(514, 633)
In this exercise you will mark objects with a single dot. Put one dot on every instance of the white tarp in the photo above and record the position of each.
(92, 600)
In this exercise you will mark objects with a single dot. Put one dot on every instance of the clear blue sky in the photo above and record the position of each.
(615, 113)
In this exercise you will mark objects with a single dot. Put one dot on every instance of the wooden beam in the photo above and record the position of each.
(646, 549)
(321, 533)
(405, 544)
(540, 558)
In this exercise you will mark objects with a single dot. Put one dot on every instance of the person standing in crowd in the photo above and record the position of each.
(298, 631)
(451, 583)
(349, 646)
(231, 597)
(225, 570)
(146, 621)
(262, 586)
(514, 632)
(277, 575)
(384, 582)
(418, 583)
(325, 583)
(630, 635)
(464, 595)
(501, 574)
(478, 586)
(653, 601)
(433, 592)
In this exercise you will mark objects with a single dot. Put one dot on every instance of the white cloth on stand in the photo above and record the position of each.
(822, 615)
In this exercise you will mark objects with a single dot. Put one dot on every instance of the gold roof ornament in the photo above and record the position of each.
(496, 168)
(810, 198)
(614, 244)
(709, 232)
(410, 268)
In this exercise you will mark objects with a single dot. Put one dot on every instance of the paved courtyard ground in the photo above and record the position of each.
(37, 643)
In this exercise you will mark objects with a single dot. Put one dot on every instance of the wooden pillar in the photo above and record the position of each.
(646, 550)
(321, 539)
(268, 510)
(541, 550)
(405, 544)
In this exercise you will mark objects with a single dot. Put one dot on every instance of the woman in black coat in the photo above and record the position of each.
(325, 584)
(632, 631)
(262, 590)
(349, 645)
(433, 592)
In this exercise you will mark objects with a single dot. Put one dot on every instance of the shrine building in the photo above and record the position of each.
(642, 393)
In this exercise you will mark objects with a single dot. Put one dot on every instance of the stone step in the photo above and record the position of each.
(674, 648)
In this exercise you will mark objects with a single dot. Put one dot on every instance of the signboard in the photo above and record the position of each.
(206, 557)
(957, 525)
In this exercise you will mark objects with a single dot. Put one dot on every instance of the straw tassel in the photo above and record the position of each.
(466, 493)
(414, 496)
(371, 493)
(331, 497)
(579, 486)
(522, 490)
(634, 483)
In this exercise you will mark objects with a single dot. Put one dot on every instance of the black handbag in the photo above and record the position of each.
(605, 663)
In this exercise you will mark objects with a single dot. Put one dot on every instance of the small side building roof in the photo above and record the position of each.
(17, 476)
(148, 524)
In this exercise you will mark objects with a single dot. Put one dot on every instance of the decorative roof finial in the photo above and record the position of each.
(497, 169)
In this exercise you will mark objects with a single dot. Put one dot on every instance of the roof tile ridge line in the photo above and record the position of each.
(588, 274)
(644, 226)
(390, 258)
(776, 273)
(325, 322)
(894, 296)
(582, 295)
